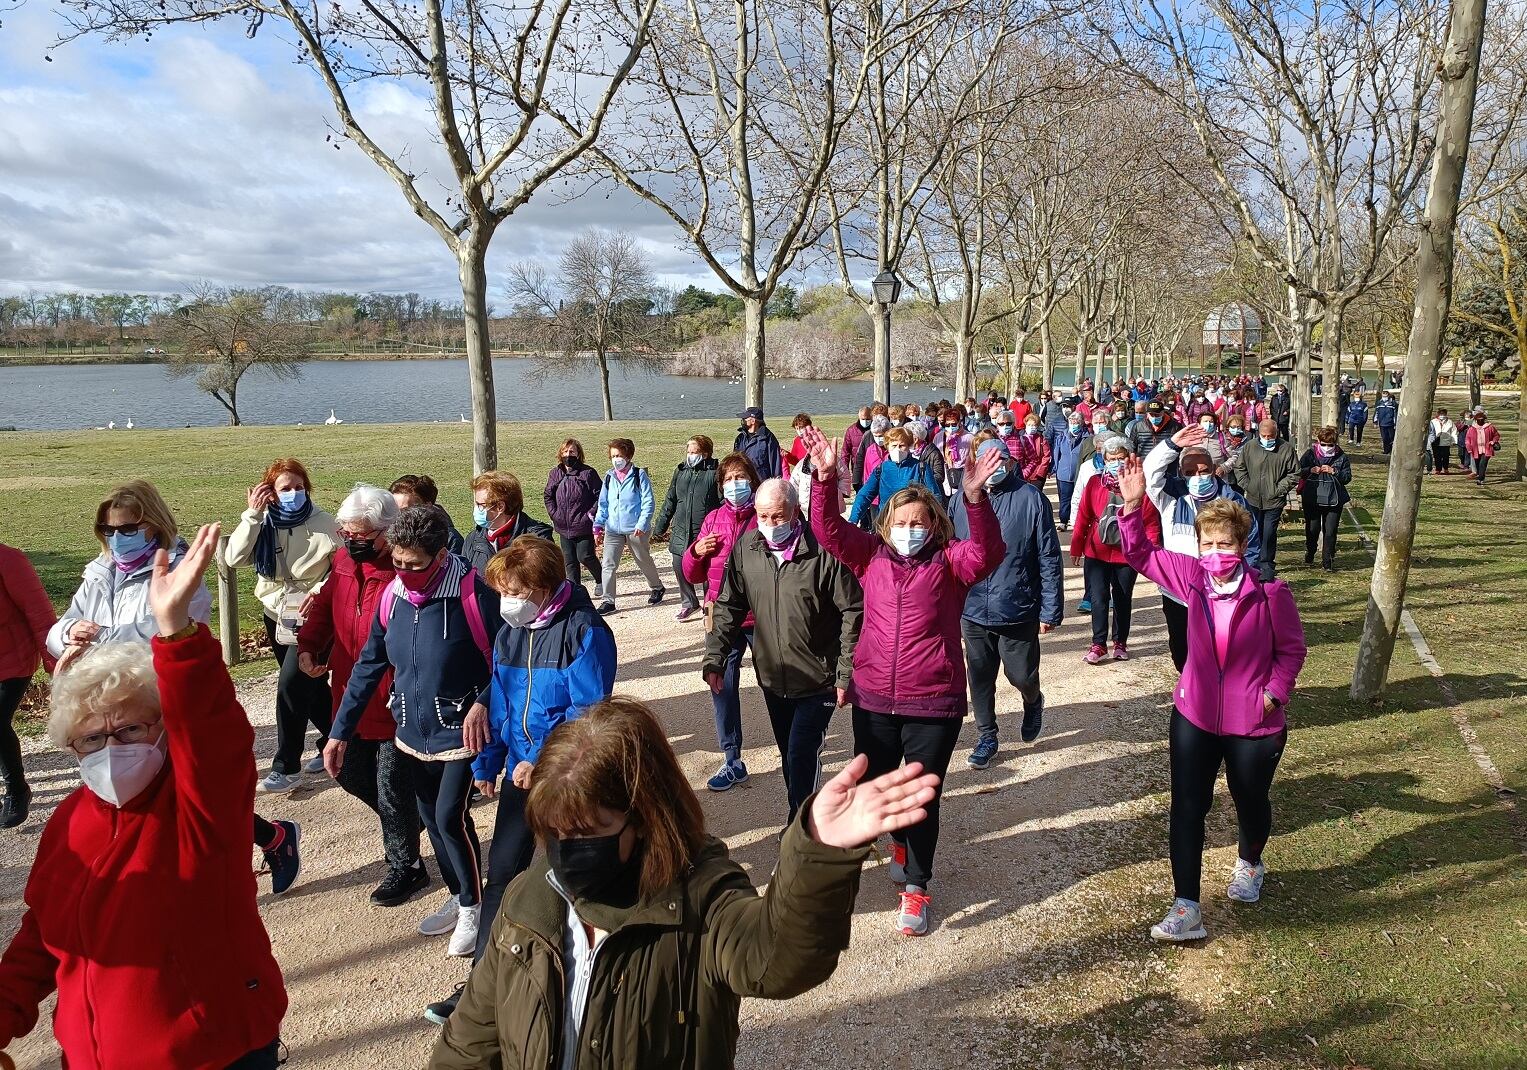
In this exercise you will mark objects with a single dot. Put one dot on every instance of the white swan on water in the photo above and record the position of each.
(111, 425)
(332, 420)
(129, 423)
(463, 417)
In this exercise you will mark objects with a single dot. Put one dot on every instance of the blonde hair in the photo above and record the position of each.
(139, 497)
(106, 677)
(917, 494)
(898, 436)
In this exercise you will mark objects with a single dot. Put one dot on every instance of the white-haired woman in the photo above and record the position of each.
(137, 870)
(331, 640)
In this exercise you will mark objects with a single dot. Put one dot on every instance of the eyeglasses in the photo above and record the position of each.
(108, 530)
(358, 536)
(128, 733)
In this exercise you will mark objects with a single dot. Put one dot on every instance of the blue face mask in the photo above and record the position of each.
(480, 515)
(739, 492)
(1268, 443)
(127, 547)
(292, 500)
(1201, 486)
(1112, 468)
(908, 541)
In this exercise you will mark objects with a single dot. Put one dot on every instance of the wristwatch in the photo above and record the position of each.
(184, 633)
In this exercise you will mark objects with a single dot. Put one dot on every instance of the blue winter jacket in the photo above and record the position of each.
(760, 447)
(1066, 453)
(887, 479)
(1028, 584)
(438, 670)
(542, 677)
(1357, 413)
(625, 505)
(1386, 413)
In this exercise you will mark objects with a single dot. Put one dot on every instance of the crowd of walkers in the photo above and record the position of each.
(890, 571)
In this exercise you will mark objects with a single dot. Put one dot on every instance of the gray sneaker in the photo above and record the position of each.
(280, 783)
(313, 765)
(1182, 922)
(1246, 881)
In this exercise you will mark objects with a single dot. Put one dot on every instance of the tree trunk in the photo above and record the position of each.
(1081, 358)
(1301, 419)
(1475, 394)
(472, 263)
(1521, 410)
(1047, 356)
(881, 322)
(1097, 377)
(1330, 364)
(1020, 343)
(752, 351)
(604, 384)
(964, 382)
(1434, 292)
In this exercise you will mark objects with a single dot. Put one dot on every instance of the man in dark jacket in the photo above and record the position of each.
(806, 606)
(757, 443)
(1385, 415)
(1157, 425)
(1006, 612)
(1264, 473)
(1278, 408)
(498, 506)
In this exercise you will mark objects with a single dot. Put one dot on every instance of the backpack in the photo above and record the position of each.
(1108, 523)
(469, 607)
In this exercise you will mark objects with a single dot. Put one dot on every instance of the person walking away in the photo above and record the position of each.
(498, 518)
(1324, 472)
(1032, 453)
(1357, 418)
(1066, 447)
(623, 520)
(1246, 647)
(756, 442)
(140, 906)
(290, 542)
(554, 658)
(1482, 440)
(26, 615)
(636, 938)
(908, 681)
(1006, 613)
(1264, 474)
(1096, 547)
(571, 496)
(898, 470)
(1179, 480)
(705, 562)
(330, 643)
(410, 490)
(693, 493)
(435, 626)
(805, 607)
(1385, 415)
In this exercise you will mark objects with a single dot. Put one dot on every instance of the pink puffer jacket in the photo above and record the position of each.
(728, 524)
(909, 661)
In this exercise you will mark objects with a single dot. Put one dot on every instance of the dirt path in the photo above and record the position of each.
(1051, 866)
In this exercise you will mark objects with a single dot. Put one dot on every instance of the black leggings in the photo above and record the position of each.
(1109, 582)
(266, 1058)
(11, 693)
(1176, 615)
(1321, 523)
(443, 791)
(579, 549)
(888, 739)
(301, 700)
(1250, 762)
(509, 855)
(376, 773)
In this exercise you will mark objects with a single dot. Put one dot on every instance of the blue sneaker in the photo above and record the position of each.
(285, 859)
(1084, 607)
(1033, 719)
(982, 753)
(728, 776)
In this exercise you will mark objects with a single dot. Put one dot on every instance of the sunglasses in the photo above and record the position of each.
(108, 530)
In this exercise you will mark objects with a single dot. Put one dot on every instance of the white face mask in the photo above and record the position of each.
(119, 772)
(897, 454)
(908, 541)
(517, 612)
(619, 463)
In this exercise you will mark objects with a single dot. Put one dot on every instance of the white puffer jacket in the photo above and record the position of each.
(118, 602)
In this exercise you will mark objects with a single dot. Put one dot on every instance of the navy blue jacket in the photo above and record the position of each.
(1357, 414)
(1386, 413)
(760, 447)
(438, 671)
(1027, 585)
(1066, 453)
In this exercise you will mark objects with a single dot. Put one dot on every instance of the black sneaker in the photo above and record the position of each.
(1033, 719)
(285, 859)
(15, 807)
(401, 885)
(606, 608)
(439, 1011)
(657, 596)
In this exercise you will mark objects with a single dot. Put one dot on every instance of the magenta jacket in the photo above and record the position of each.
(729, 524)
(909, 661)
(1265, 652)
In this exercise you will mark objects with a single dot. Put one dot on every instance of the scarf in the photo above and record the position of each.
(785, 547)
(553, 607)
(446, 584)
(504, 535)
(127, 566)
(277, 518)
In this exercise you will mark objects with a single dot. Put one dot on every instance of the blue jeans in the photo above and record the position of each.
(800, 726)
(728, 702)
(1063, 491)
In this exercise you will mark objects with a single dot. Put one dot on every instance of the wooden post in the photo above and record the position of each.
(227, 604)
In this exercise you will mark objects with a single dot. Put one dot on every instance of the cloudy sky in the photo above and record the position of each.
(201, 155)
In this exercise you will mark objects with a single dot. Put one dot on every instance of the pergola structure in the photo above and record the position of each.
(1235, 327)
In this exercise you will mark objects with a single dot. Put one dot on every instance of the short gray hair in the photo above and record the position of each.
(783, 487)
(108, 676)
(1117, 444)
(372, 506)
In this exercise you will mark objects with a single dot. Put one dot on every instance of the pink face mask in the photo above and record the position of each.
(1219, 564)
(415, 582)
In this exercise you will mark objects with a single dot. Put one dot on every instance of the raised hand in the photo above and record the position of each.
(978, 470)
(846, 813)
(1132, 483)
(170, 593)
(824, 456)
(1192, 435)
(260, 497)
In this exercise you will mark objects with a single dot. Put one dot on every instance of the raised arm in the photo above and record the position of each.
(838, 537)
(1164, 568)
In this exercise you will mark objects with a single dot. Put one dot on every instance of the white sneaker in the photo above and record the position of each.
(464, 938)
(1182, 922)
(280, 783)
(443, 920)
(1246, 881)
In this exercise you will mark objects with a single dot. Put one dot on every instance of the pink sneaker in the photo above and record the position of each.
(1095, 653)
(1120, 652)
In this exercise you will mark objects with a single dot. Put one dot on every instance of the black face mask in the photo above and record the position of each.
(569, 461)
(589, 867)
(361, 550)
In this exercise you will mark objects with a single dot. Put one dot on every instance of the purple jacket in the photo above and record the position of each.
(1265, 653)
(570, 500)
(909, 661)
(729, 524)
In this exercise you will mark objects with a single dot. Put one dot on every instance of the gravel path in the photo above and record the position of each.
(1050, 867)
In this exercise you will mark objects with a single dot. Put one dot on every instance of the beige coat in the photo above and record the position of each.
(303, 555)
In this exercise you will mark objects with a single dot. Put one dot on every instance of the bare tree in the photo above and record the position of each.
(600, 302)
(518, 91)
(218, 335)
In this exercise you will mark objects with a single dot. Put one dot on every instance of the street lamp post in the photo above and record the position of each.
(1131, 338)
(887, 288)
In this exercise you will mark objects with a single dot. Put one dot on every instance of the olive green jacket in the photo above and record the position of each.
(670, 977)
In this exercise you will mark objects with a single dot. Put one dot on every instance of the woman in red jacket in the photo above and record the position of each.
(25, 617)
(338, 622)
(908, 685)
(1096, 545)
(141, 903)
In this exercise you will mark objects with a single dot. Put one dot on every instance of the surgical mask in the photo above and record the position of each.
(692, 459)
(864, 424)
(361, 550)
(1112, 468)
(517, 612)
(908, 541)
(1219, 564)
(292, 500)
(1267, 443)
(589, 867)
(880, 440)
(1156, 420)
(1207, 425)
(619, 463)
(739, 492)
(1031, 429)
(1201, 486)
(1099, 426)
(1236, 432)
(127, 547)
(897, 454)
(997, 478)
(480, 515)
(1005, 430)
(119, 772)
(1076, 427)
(777, 533)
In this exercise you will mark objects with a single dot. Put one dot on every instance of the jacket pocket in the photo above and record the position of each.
(451, 712)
